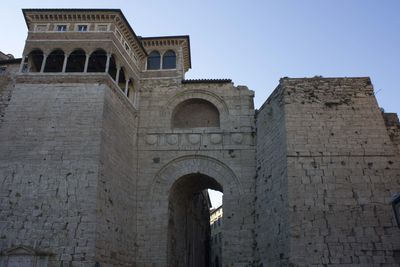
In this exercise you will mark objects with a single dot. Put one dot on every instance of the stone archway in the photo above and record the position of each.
(215, 174)
(189, 229)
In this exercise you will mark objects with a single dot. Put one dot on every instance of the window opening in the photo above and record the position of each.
(131, 90)
(112, 68)
(41, 28)
(169, 60)
(35, 60)
(97, 61)
(102, 28)
(153, 61)
(61, 28)
(76, 61)
(55, 61)
(127, 47)
(122, 80)
(82, 28)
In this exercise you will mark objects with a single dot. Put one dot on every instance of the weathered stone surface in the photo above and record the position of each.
(95, 169)
(340, 172)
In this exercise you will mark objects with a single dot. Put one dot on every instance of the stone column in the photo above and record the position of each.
(126, 87)
(86, 63)
(21, 66)
(108, 62)
(43, 63)
(117, 76)
(65, 63)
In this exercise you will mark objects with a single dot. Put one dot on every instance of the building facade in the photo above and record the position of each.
(216, 237)
(106, 149)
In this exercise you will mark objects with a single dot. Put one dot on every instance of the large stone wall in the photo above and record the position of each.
(49, 161)
(342, 170)
(68, 164)
(271, 199)
(87, 178)
(116, 190)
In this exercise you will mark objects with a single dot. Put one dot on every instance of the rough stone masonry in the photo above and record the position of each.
(106, 151)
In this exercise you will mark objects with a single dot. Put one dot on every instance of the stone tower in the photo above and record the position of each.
(107, 150)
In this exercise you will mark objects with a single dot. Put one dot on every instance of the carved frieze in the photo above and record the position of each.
(192, 140)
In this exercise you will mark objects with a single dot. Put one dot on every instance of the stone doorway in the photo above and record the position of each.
(189, 221)
(181, 176)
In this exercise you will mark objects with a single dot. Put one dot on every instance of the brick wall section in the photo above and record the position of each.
(116, 194)
(49, 161)
(342, 172)
(271, 205)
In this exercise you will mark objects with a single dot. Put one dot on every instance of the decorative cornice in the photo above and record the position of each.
(89, 15)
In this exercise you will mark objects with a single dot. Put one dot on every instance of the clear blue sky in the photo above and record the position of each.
(257, 42)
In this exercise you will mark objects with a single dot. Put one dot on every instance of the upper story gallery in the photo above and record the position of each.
(81, 41)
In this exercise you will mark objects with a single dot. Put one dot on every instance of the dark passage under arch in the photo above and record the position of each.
(189, 221)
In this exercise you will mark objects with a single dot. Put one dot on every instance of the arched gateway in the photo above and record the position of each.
(173, 194)
(106, 148)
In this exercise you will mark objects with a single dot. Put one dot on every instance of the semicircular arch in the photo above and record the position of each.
(194, 164)
(214, 99)
(198, 93)
(157, 203)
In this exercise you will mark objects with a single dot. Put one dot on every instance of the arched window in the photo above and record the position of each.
(153, 61)
(122, 79)
(131, 90)
(97, 61)
(169, 60)
(35, 60)
(112, 68)
(55, 61)
(194, 113)
(76, 61)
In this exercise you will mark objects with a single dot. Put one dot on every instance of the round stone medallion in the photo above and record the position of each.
(151, 139)
(237, 138)
(172, 139)
(194, 138)
(215, 138)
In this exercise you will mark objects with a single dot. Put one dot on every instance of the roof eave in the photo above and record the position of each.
(119, 11)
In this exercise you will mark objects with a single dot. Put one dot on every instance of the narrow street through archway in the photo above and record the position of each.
(189, 232)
